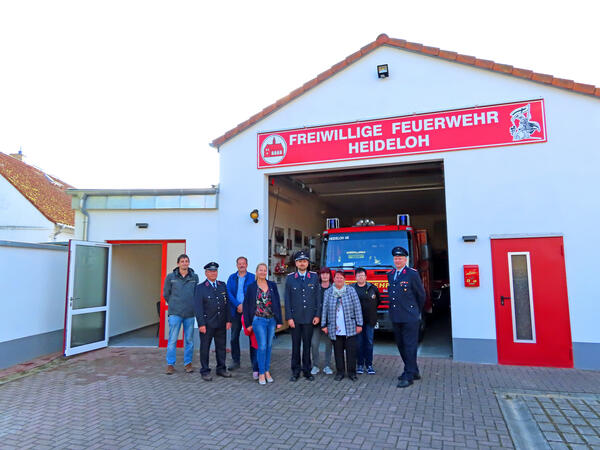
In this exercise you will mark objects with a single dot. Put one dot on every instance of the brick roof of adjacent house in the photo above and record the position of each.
(45, 192)
(384, 40)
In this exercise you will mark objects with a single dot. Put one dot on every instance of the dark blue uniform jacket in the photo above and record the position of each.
(212, 305)
(302, 297)
(406, 294)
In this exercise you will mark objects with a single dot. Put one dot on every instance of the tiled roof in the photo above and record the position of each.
(382, 40)
(37, 187)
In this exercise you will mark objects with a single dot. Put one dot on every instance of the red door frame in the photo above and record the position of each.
(162, 342)
(552, 340)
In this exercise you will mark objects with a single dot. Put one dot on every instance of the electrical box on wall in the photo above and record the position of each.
(471, 275)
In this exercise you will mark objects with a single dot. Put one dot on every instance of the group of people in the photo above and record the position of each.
(318, 307)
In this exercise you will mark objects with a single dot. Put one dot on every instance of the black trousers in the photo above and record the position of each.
(220, 337)
(236, 328)
(407, 341)
(347, 343)
(301, 335)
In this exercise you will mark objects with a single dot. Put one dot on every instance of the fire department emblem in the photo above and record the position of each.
(273, 149)
(522, 125)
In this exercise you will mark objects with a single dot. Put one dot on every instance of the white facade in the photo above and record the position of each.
(537, 189)
(22, 222)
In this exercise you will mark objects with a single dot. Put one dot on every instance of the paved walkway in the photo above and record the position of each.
(120, 398)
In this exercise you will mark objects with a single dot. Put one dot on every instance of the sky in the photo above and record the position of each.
(129, 94)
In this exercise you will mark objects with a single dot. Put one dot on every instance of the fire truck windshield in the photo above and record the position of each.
(368, 249)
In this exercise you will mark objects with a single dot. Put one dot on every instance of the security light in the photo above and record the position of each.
(382, 71)
(254, 215)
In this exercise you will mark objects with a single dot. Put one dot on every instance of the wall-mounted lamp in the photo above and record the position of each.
(470, 238)
(141, 225)
(382, 71)
(254, 215)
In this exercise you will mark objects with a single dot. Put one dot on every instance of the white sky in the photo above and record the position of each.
(126, 94)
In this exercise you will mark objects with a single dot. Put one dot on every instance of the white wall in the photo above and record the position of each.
(17, 212)
(135, 287)
(198, 227)
(33, 283)
(548, 187)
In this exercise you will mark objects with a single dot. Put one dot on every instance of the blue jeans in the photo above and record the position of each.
(264, 329)
(175, 323)
(365, 346)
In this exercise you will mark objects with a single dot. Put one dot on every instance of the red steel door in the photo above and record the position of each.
(531, 302)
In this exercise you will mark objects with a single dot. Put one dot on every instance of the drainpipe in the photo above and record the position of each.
(86, 221)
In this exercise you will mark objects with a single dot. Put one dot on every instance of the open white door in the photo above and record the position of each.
(88, 292)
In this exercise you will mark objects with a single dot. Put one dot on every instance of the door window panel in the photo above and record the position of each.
(91, 266)
(88, 328)
(523, 323)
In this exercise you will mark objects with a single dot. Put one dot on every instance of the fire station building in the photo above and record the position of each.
(497, 164)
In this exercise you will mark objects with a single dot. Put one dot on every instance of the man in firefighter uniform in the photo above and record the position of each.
(214, 319)
(302, 311)
(407, 298)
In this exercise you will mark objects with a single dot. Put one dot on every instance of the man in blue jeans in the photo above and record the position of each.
(178, 292)
(237, 283)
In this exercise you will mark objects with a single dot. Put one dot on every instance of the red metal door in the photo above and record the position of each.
(531, 302)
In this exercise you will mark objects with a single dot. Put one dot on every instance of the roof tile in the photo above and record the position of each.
(485, 63)
(48, 198)
(383, 39)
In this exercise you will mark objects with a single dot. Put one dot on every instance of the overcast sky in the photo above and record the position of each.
(126, 94)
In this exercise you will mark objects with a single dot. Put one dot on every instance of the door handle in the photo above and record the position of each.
(502, 298)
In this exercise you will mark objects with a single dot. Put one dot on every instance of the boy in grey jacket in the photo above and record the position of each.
(178, 292)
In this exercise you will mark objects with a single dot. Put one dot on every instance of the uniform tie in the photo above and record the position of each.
(213, 284)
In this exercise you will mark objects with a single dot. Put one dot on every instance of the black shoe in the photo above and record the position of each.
(404, 383)
(224, 374)
(206, 377)
(294, 378)
(416, 377)
(309, 377)
(353, 377)
(338, 377)
(234, 366)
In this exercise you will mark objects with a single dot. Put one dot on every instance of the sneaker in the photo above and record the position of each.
(327, 370)
(188, 368)
(170, 369)
(315, 370)
(359, 369)
(255, 375)
(370, 370)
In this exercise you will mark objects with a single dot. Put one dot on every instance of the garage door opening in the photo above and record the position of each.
(301, 203)
(137, 309)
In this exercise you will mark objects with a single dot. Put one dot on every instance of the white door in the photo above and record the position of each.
(88, 292)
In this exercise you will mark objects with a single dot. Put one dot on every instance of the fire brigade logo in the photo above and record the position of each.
(273, 149)
(522, 125)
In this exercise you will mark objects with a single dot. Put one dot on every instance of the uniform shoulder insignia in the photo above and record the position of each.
(391, 271)
(290, 274)
(414, 270)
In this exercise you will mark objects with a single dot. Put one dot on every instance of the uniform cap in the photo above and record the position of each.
(301, 255)
(211, 266)
(399, 251)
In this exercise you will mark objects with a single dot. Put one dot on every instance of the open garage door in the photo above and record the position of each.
(300, 203)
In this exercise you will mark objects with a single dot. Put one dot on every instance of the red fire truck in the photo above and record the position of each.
(370, 246)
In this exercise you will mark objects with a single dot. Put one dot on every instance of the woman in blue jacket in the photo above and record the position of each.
(262, 311)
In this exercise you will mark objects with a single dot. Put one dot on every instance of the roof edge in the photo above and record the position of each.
(384, 39)
(206, 191)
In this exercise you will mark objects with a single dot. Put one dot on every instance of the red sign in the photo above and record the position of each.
(479, 127)
(471, 275)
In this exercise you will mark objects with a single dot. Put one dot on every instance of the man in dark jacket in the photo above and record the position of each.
(178, 292)
(237, 283)
(407, 298)
(369, 301)
(302, 311)
(214, 319)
